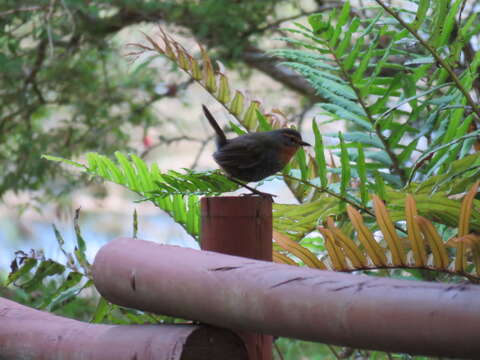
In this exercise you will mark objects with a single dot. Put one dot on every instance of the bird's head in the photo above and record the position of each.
(291, 138)
(290, 141)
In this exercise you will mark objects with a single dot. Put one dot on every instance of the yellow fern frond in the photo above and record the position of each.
(387, 228)
(280, 258)
(352, 251)
(413, 232)
(374, 250)
(334, 252)
(463, 226)
(440, 255)
(305, 255)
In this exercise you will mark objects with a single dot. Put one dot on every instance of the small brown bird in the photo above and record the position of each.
(255, 156)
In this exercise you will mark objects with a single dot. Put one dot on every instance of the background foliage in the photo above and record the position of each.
(400, 79)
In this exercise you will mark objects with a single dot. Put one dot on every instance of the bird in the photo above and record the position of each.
(254, 156)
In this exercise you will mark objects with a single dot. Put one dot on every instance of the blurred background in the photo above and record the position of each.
(69, 88)
(70, 85)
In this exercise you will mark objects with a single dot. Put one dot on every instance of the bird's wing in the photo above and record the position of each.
(241, 154)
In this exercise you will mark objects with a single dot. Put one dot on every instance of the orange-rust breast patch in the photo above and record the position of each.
(286, 153)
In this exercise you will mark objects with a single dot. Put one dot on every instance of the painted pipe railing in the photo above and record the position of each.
(30, 334)
(358, 311)
(252, 297)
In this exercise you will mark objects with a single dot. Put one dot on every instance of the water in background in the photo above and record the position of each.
(100, 221)
(97, 229)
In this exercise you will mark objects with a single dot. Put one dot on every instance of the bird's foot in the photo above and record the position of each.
(255, 192)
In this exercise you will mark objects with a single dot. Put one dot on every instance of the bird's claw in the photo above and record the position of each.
(261, 194)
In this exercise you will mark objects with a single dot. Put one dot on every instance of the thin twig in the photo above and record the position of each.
(331, 193)
(51, 8)
(254, 191)
(200, 151)
(332, 349)
(278, 22)
(31, 78)
(277, 349)
(70, 15)
(24, 9)
(167, 141)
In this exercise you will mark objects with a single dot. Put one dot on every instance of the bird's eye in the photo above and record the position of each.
(290, 140)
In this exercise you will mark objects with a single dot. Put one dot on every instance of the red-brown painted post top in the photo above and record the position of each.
(240, 226)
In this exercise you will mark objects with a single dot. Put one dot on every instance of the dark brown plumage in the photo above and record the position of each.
(254, 156)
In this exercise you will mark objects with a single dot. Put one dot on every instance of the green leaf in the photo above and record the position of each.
(128, 170)
(81, 246)
(224, 90)
(72, 279)
(362, 67)
(26, 265)
(299, 220)
(353, 55)
(263, 123)
(302, 162)
(320, 156)
(345, 166)
(143, 173)
(343, 113)
(439, 14)
(368, 139)
(62, 160)
(250, 118)
(362, 174)
(45, 269)
(449, 22)
(324, 81)
(103, 307)
(421, 14)
(379, 186)
(68, 295)
(236, 106)
(428, 153)
(403, 102)
(236, 129)
(344, 13)
(317, 23)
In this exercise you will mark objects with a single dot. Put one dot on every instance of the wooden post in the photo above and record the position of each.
(240, 226)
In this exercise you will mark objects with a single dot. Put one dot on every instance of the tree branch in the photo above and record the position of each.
(252, 56)
(257, 59)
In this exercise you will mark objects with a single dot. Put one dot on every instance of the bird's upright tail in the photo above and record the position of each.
(221, 138)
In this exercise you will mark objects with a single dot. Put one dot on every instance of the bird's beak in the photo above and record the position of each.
(303, 143)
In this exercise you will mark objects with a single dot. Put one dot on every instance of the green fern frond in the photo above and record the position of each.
(174, 192)
(348, 73)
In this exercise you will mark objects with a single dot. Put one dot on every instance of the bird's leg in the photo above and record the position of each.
(254, 191)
